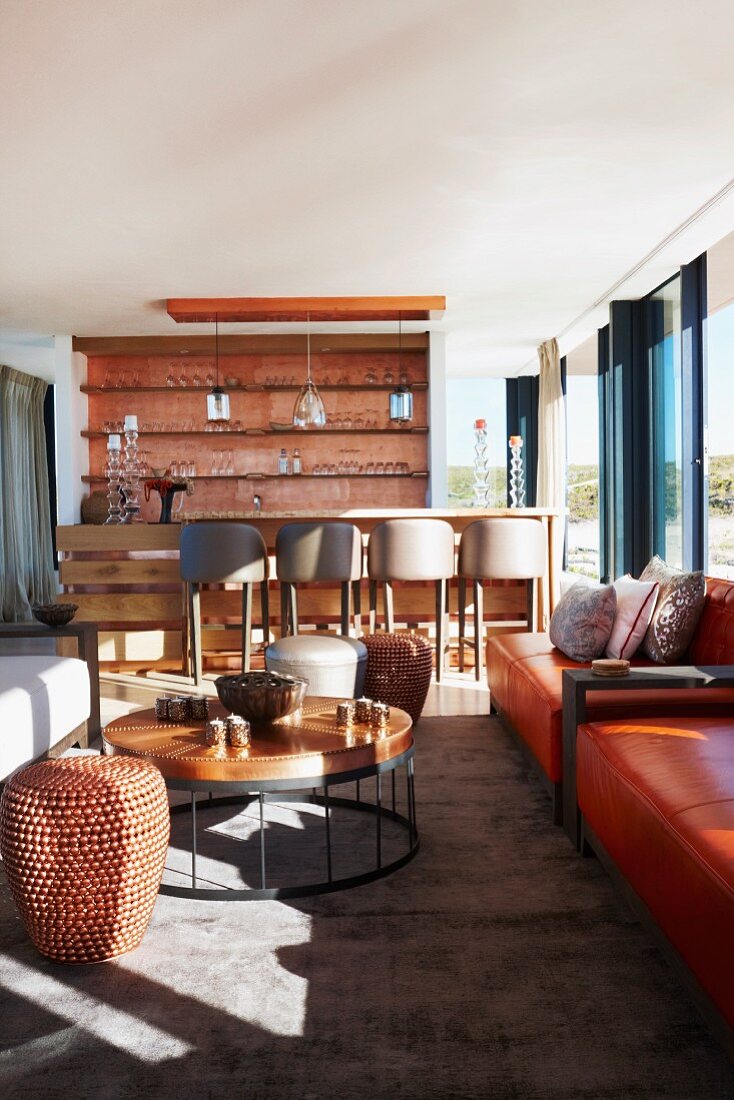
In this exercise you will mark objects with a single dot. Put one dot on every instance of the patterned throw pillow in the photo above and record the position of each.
(583, 619)
(681, 598)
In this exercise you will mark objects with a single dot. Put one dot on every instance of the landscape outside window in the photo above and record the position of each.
(467, 400)
(582, 484)
(719, 333)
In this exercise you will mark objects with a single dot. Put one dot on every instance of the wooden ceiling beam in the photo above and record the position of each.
(283, 343)
(276, 310)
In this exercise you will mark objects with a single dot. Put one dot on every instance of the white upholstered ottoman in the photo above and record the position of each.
(332, 664)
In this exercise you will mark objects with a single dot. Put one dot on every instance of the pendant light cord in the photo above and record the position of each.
(308, 346)
(216, 344)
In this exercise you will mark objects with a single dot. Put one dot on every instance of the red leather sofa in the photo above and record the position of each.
(525, 673)
(655, 788)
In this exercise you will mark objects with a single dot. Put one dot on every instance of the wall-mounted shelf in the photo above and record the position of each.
(91, 480)
(333, 387)
(300, 432)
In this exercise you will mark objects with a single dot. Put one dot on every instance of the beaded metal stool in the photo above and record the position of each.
(84, 841)
(399, 668)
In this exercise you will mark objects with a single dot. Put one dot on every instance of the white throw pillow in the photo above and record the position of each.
(635, 607)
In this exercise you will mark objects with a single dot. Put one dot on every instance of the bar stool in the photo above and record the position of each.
(311, 552)
(223, 553)
(498, 549)
(412, 550)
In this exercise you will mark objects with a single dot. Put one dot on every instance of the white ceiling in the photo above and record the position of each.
(518, 157)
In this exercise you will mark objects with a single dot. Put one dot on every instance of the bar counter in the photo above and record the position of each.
(126, 579)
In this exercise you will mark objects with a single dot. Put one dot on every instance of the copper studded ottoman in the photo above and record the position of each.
(84, 842)
(399, 670)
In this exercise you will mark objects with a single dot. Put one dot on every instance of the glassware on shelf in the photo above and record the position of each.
(370, 377)
(380, 469)
(388, 377)
(171, 377)
(196, 379)
(370, 468)
(182, 379)
(209, 380)
(389, 468)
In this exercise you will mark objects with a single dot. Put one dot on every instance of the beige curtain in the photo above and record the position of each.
(26, 554)
(551, 491)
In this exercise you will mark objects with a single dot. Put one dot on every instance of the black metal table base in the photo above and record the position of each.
(250, 793)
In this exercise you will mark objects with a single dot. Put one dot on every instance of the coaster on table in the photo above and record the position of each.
(610, 666)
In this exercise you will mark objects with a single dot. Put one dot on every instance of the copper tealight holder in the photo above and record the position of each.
(215, 733)
(161, 708)
(238, 731)
(380, 715)
(363, 710)
(345, 713)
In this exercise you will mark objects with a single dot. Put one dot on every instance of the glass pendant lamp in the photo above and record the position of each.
(401, 398)
(309, 411)
(217, 402)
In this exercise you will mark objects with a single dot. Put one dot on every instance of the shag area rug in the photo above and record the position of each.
(498, 964)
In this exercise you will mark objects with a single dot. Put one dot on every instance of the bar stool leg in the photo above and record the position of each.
(478, 629)
(373, 605)
(284, 631)
(195, 616)
(357, 603)
(462, 620)
(447, 628)
(265, 611)
(246, 627)
(345, 609)
(532, 589)
(440, 622)
(293, 603)
(388, 601)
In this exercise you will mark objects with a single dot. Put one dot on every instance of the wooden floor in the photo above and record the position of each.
(121, 694)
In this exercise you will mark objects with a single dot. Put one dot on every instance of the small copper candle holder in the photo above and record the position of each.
(215, 733)
(363, 709)
(161, 708)
(178, 709)
(345, 713)
(238, 731)
(380, 715)
(199, 707)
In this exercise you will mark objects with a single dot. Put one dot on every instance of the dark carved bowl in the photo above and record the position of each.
(54, 614)
(261, 696)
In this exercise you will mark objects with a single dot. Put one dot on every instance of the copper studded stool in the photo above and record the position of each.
(399, 670)
(84, 841)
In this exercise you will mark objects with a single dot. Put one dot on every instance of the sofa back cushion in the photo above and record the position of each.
(713, 642)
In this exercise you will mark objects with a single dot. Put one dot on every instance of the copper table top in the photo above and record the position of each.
(303, 745)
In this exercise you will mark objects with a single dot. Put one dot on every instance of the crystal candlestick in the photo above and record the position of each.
(131, 472)
(481, 465)
(113, 473)
(517, 474)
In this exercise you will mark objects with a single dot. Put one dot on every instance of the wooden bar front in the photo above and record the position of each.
(126, 580)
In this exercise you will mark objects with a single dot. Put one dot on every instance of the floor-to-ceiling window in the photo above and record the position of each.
(468, 400)
(666, 435)
(719, 413)
(582, 495)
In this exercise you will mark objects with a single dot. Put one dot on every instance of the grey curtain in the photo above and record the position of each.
(26, 555)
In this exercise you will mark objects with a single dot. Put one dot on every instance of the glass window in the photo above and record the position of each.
(719, 415)
(467, 400)
(582, 486)
(666, 452)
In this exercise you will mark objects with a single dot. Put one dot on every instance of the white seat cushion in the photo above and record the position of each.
(42, 699)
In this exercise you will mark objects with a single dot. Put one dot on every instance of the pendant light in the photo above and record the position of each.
(309, 411)
(401, 398)
(217, 402)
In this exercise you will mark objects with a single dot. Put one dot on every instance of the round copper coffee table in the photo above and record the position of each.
(303, 752)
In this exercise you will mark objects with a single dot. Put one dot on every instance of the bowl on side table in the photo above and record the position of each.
(54, 614)
(261, 696)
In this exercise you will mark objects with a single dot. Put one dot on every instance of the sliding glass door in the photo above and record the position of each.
(666, 420)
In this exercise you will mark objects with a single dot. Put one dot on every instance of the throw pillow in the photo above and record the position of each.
(681, 598)
(582, 621)
(635, 608)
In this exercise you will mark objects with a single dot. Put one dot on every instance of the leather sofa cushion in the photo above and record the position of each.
(659, 794)
(713, 642)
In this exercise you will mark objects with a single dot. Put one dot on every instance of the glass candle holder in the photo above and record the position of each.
(517, 473)
(113, 473)
(481, 465)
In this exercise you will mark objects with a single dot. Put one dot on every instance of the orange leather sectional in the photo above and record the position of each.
(525, 673)
(654, 783)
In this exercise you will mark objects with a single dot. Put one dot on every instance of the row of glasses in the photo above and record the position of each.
(177, 377)
(279, 380)
(222, 464)
(176, 427)
(122, 379)
(367, 420)
(388, 378)
(382, 469)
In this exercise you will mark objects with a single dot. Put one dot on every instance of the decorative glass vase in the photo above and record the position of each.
(517, 473)
(113, 473)
(481, 465)
(131, 473)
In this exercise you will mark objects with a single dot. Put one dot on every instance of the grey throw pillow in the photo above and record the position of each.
(583, 619)
(681, 598)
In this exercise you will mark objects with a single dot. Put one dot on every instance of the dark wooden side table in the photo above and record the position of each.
(577, 682)
(87, 649)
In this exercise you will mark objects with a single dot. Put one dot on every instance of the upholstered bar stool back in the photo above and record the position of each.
(412, 550)
(311, 552)
(498, 549)
(223, 553)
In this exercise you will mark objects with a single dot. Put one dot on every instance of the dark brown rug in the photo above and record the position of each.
(497, 964)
